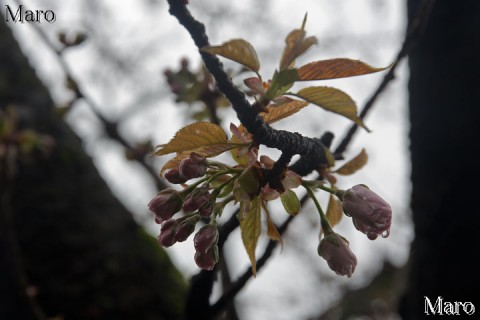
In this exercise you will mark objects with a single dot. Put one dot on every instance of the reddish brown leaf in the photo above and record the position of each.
(335, 68)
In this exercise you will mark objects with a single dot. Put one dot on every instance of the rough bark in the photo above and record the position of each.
(444, 113)
(64, 238)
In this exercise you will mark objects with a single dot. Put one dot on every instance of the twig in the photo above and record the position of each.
(111, 128)
(413, 35)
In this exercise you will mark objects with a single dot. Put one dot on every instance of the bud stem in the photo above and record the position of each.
(327, 229)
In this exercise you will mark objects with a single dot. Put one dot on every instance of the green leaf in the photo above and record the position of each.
(278, 112)
(281, 82)
(335, 68)
(250, 228)
(206, 139)
(290, 202)
(272, 230)
(295, 45)
(247, 184)
(354, 165)
(334, 211)
(238, 50)
(333, 100)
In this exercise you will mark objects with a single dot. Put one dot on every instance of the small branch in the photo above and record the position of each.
(413, 35)
(292, 143)
(111, 128)
(227, 298)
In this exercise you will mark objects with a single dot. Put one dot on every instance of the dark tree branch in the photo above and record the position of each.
(413, 34)
(291, 143)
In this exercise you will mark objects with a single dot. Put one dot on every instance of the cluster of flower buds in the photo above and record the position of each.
(371, 215)
(177, 230)
(195, 202)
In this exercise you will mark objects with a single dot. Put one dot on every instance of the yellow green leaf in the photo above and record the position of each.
(281, 82)
(206, 139)
(290, 202)
(353, 165)
(238, 50)
(278, 112)
(295, 45)
(333, 100)
(334, 68)
(251, 228)
(334, 211)
(272, 230)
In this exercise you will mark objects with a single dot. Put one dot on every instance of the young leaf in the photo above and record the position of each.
(250, 228)
(206, 139)
(334, 68)
(281, 82)
(290, 202)
(334, 211)
(272, 230)
(279, 112)
(333, 100)
(295, 45)
(353, 165)
(237, 50)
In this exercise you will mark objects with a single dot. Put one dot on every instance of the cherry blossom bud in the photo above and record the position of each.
(173, 176)
(193, 167)
(334, 248)
(370, 214)
(208, 259)
(186, 226)
(206, 209)
(167, 233)
(165, 204)
(196, 199)
(205, 238)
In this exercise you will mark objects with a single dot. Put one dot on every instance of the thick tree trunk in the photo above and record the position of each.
(68, 248)
(444, 113)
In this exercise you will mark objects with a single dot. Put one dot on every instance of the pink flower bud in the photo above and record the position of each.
(205, 238)
(186, 226)
(196, 199)
(173, 176)
(370, 214)
(334, 248)
(206, 209)
(208, 259)
(193, 167)
(167, 233)
(165, 204)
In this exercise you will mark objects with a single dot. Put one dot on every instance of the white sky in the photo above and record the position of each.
(145, 40)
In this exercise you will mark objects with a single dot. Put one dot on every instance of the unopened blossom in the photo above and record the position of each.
(370, 213)
(167, 233)
(174, 176)
(207, 208)
(196, 199)
(335, 249)
(165, 204)
(186, 226)
(193, 167)
(207, 260)
(205, 238)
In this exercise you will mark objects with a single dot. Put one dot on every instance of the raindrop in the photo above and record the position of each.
(386, 233)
